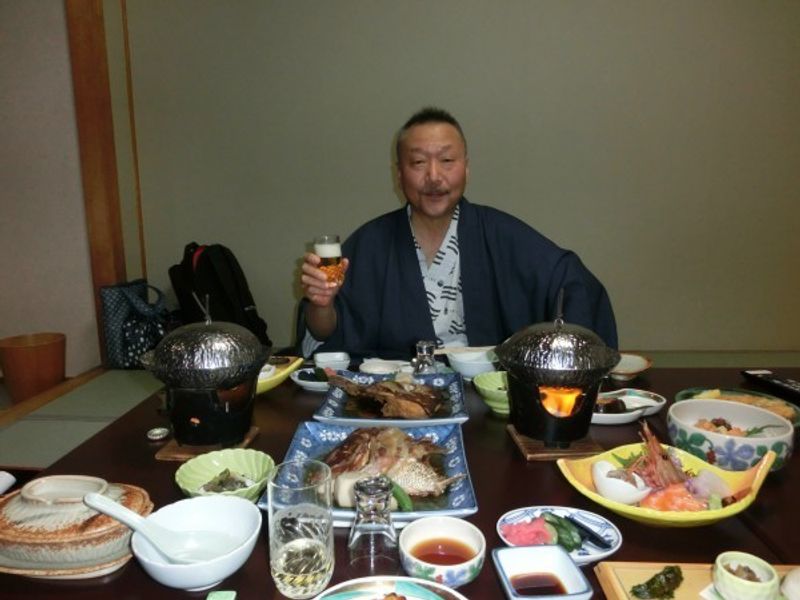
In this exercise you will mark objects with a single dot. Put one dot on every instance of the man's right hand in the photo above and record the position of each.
(316, 287)
(321, 318)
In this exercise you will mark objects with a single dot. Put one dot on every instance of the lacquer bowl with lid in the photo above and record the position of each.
(47, 531)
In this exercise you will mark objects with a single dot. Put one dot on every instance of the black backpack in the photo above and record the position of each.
(214, 276)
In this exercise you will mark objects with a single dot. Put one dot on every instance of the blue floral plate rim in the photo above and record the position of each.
(332, 408)
(411, 587)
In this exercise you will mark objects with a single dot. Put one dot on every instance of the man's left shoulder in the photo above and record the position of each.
(512, 228)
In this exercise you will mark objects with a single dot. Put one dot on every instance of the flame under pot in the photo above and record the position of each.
(531, 415)
(554, 375)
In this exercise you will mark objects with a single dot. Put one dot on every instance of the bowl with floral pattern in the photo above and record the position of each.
(446, 550)
(730, 435)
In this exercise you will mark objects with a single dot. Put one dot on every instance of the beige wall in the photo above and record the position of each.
(44, 252)
(661, 141)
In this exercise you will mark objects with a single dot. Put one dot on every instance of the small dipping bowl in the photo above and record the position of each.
(630, 365)
(470, 364)
(253, 465)
(493, 388)
(338, 361)
(733, 587)
(543, 568)
(440, 539)
(236, 517)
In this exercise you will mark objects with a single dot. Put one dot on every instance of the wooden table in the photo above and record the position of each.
(502, 480)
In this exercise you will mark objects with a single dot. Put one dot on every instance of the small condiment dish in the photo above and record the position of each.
(734, 587)
(470, 364)
(379, 366)
(252, 465)
(445, 540)
(307, 379)
(338, 361)
(493, 388)
(525, 568)
(630, 365)
(235, 517)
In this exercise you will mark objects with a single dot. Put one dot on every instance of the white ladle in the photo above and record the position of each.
(181, 547)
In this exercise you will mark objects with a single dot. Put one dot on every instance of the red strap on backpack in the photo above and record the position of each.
(196, 256)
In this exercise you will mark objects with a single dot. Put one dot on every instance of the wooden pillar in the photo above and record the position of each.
(87, 46)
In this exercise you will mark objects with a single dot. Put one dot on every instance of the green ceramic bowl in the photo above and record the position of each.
(493, 388)
(252, 464)
(730, 586)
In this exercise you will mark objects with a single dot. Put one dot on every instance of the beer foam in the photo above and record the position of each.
(328, 250)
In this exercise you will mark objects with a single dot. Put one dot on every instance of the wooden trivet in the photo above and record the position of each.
(174, 451)
(533, 449)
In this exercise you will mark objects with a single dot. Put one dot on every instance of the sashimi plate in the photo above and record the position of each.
(315, 440)
(588, 552)
(335, 410)
(378, 586)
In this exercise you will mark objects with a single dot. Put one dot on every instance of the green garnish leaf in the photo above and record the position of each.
(661, 585)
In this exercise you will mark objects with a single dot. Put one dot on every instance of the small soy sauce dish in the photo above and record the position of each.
(543, 572)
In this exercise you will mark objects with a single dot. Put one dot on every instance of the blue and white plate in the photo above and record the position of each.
(334, 408)
(588, 552)
(315, 440)
(377, 586)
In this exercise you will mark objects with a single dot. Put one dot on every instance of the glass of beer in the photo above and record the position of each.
(300, 527)
(329, 250)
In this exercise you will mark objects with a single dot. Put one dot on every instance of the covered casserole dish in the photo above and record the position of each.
(47, 531)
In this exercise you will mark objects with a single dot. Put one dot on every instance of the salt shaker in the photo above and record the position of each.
(425, 362)
(373, 539)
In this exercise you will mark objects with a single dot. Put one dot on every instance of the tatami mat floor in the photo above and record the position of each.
(40, 438)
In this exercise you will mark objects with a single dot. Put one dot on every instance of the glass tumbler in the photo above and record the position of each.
(425, 362)
(329, 250)
(373, 539)
(300, 527)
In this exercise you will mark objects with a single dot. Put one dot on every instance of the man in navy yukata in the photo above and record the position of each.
(442, 268)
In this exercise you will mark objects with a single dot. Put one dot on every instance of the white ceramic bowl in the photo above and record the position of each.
(630, 365)
(521, 560)
(731, 587)
(47, 531)
(233, 516)
(254, 465)
(429, 528)
(470, 364)
(730, 452)
(379, 366)
(332, 360)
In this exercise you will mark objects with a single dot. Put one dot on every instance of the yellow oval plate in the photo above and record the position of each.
(579, 473)
(279, 375)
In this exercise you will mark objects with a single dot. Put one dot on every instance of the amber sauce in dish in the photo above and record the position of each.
(442, 551)
(537, 584)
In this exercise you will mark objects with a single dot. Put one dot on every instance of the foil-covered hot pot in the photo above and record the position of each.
(211, 372)
(554, 374)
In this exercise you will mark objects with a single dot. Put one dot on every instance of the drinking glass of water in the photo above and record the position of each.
(300, 527)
